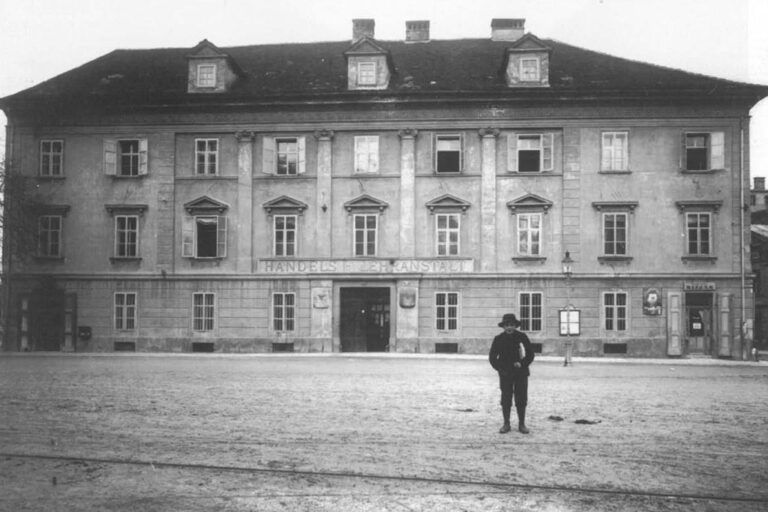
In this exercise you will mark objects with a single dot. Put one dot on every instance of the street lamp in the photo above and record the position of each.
(567, 273)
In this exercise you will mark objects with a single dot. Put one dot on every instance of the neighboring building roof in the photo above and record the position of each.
(429, 70)
(760, 230)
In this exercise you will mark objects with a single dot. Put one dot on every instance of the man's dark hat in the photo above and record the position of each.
(509, 318)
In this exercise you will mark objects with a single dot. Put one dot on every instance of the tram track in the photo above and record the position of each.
(499, 487)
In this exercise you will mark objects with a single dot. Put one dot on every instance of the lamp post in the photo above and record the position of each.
(567, 273)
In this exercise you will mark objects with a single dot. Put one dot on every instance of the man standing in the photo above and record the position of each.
(510, 355)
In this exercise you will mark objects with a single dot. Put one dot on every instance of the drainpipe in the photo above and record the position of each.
(744, 348)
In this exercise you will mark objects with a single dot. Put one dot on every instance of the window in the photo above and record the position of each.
(615, 234)
(534, 153)
(205, 236)
(699, 233)
(448, 153)
(206, 156)
(126, 236)
(283, 311)
(365, 234)
(125, 311)
(206, 75)
(287, 156)
(125, 158)
(366, 73)
(529, 234)
(529, 69)
(285, 235)
(49, 236)
(51, 158)
(703, 151)
(447, 311)
(366, 154)
(614, 151)
(615, 311)
(570, 322)
(447, 233)
(530, 311)
(203, 311)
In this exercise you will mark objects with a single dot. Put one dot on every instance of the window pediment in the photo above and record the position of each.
(53, 209)
(615, 205)
(710, 205)
(447, 202)
(365, 203)
(365, 46)
(205, 205)
(126, 209)
(285, 204)
(529, 202)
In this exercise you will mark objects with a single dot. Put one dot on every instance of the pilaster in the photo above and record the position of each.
(244, 228)
(488, 240)
(324, 188)
(407, 192)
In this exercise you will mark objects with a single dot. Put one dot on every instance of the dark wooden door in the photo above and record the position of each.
(364, 322)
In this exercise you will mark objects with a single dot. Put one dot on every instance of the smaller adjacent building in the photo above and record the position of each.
(758, 196)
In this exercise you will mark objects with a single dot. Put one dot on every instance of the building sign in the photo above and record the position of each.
(699, 286)
(365, 266)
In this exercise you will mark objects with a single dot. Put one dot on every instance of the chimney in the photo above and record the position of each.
(362, 28)
(507, 29)
(759, 183)
(417, 31)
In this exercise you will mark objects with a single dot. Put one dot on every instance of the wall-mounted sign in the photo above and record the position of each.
(699, 286)
(366, 266)
(651, 301)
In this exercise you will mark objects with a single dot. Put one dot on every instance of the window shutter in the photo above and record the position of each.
(143, 157)
(187, 237)
(268, 165)
(301, 147)
(433, 151)
(511, 152)
(546, 153)
(221, 236)
(674, 324)
(373, 147)
(717, 152)
(461, 152)
(683, 154)
(110, 157)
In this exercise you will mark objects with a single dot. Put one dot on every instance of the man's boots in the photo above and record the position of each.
(521, 421)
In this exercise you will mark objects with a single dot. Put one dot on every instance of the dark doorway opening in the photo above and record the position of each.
(699, 328)
(364, 319)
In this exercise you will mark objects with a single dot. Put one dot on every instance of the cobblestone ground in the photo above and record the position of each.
(214, 432)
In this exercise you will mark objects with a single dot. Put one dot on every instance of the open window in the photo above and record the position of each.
(204, 232)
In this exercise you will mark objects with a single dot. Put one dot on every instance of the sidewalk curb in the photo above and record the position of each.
(391, 355)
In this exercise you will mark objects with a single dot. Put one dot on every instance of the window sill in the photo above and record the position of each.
(121, 177)
(603, 171)
(614, 259)
(122, 259)
(700, 171)
(529, 259)
(702, 259)
(536, 174)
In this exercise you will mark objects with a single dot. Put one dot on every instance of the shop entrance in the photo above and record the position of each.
(364, 319)
(698, 313)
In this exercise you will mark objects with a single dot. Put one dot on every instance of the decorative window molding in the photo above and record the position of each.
(365, 203)
(447, 203)
(615, 230)
(204, 229)
(126, 209)
(51, 158)
(706, 205)
(529, 202)
(284, 205)
(205, 205)
(529, 227)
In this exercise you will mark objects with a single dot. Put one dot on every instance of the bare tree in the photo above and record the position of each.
(19, 209)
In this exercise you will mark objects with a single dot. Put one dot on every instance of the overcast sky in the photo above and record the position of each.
(726, 38)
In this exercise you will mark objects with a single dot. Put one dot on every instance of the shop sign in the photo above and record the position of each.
(699, 286)
(366, 266)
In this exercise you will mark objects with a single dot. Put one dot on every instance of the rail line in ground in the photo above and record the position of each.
(403, 478)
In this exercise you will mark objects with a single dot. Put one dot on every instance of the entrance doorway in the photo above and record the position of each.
(364, 319)
(698, 314)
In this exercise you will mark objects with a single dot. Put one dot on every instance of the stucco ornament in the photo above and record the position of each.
(408, 297)
(321, 298)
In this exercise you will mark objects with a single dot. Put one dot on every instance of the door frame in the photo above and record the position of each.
(713, 325)
(338, 285)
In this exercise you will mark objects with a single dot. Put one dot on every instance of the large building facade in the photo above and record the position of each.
(373, 195)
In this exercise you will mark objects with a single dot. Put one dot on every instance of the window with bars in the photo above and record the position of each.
(125, 311)
(615, 311)
(615, 234)
(447, 311)
(531, 311)
(699, 233)
(285, 235)
(366, 154)
(51, 158)
(49, 239)
(206, 157)
(529, 234)
(447, 231)
(365, 234)
(615, 153)
(284, 311)
(203, 311)
(126, 236)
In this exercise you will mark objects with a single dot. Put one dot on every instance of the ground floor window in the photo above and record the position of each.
(125, 311)
(615, 311)
(447, 311)
(283, 311)
(203, 314)
(530, 311)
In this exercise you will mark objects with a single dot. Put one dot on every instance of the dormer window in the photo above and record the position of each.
(366, 73)
(529, 69)
(206, 75)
